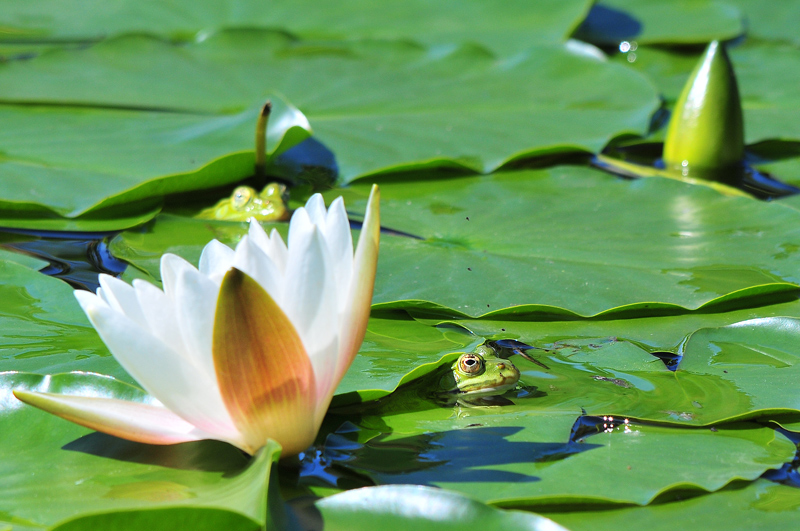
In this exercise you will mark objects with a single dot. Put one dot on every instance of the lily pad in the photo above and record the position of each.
(415, 108)
(653, 334)
(78, 473)
(102, 164)
(44, 329)
(533, 461)
(759, 357)
(397, 507)
(761, 505)
(592, 244)
(611, 375)
(505, 27)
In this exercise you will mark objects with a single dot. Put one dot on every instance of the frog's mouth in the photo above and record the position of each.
(500, 386)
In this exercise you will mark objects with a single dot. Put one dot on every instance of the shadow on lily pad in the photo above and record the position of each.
(464, 455)
(206, 456)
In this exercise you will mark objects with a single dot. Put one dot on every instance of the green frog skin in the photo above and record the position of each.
(245, 203)
(477, 375)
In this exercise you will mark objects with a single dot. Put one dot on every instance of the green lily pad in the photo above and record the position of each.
(770, 20)
(101, 164)
(532, 275)
(761, 505)
(398, 507)
(44, 329)
(675, 22)
(30, 262)
(665, 333)
(725, 373)
(532, 462)
(461, 108)
(759, 357)
(505, 27)
(78, 473)
(591, 244)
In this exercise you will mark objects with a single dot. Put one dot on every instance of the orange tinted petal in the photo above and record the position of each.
(264, 373)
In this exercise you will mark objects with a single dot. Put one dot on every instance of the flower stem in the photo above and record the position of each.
(261, 141)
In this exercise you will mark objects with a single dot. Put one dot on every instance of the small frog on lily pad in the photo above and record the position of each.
(245, 204)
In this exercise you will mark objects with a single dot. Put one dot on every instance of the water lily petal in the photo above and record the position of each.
(159, 310)
(365, 263)
(251, 259)
(130, 420)
(175, 380)
(215, 260)
(195, 303)
(171, 266)
(315, 207)
(339, 240)
(279, 252)
(312, 306)
(264, 373)
(122, 297)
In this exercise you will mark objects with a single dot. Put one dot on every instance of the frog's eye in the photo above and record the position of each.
(241, 197)
(470, 363)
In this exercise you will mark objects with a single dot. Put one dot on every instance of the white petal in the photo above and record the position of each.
(252, 260)
(171, 267)
(159, 310)
(215, 260)
(340, 244)
(312, 304)
(122, 298)
(279, 253)
(315, 206)
(180, 385)
(195, 304)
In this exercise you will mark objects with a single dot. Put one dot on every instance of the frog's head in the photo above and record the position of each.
(480, 373)
(245, 203)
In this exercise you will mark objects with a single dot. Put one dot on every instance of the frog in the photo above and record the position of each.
(478, 378)
(246, 203)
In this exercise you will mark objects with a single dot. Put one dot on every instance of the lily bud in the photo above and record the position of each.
(705, 137)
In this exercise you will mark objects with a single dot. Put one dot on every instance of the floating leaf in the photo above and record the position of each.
(759, 505)
(461, 108)
(85, 480)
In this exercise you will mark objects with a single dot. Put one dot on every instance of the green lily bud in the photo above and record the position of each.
(705, 137)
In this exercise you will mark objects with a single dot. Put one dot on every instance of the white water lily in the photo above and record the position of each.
(250, 347)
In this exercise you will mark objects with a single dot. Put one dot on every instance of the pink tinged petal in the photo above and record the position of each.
(215, 260)
(253, 261)
(122, 298)
(171, 377)
(129, 420)
(354, 322)
(264, 373)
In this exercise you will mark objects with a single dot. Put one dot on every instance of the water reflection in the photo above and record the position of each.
(77, 258)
